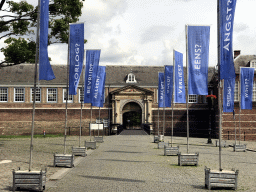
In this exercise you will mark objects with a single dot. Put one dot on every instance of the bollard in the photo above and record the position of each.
(244, 136)
(228, 135)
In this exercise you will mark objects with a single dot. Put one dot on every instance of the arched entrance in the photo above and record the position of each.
(132, 116)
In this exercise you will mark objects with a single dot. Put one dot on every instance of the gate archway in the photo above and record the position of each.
(132, 115)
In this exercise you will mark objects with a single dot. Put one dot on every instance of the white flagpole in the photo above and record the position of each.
(173, 89)
(158, 119)
(164, 107)
(81, 115)
(35, 79)
(90, 123)
(187, 89)
(219, 86)
(66, 114)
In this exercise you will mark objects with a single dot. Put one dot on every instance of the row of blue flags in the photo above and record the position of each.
(165, 83)
(198, 57)
(95, 75)
(198, 38)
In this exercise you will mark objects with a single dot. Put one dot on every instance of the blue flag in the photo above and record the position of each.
(160, 89)
(45, 69)
(103, 92)
(91, 68)
(97, 90)
(247, 76)
(198, 59)
(228, 96)
(179, 92)
(76, 55)
(168, 76)
(226, 23)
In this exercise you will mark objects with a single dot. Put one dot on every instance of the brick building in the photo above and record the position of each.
(247, 117)
(130, 100)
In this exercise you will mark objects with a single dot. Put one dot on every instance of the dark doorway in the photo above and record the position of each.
(132, 116)
(132, 120)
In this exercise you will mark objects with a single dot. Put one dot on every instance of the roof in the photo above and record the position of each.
(243, 61)
(23, 74)
(116, 75)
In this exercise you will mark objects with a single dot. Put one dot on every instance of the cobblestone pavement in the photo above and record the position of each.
(127, 163)
(134, 163)
(15, 153)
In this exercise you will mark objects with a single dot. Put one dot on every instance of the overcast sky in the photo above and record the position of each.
(145, 32)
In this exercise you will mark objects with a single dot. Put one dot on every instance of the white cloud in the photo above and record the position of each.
(155, 33)
(145, 32)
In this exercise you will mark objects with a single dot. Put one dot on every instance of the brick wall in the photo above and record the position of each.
(19, 121)
(247, 123)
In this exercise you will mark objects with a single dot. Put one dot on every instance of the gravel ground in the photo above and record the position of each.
(127, 163)
(18, 152)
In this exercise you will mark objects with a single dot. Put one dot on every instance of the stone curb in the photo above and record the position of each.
(50, 182)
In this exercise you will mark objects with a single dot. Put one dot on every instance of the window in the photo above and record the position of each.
(253, 63)
(38, 94)
(131, 78)
(81, 94)
(19, 95)
(192, 98)
(3, 94)
(52, 95)
(70, 97)
(254, 91)
(236, 92)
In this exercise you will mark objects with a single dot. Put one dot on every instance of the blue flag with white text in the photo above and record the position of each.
(97, 90)
(179, 85)
(198, 59)
(91, 68)
(103, 92)
(228, 96)
(160, 89)
(76, 55)
(168, 76)
(45, 69)
(246, 81)
(226, 23)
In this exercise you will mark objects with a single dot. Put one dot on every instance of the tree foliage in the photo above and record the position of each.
(18, 24)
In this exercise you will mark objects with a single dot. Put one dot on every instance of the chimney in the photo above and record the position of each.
(236, 53)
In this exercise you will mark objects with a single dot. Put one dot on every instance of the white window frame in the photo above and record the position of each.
(131, 78)
(254, 91)
(70, 97)
(156, 95)
(38, 92)
(52, 94)
(253, 64)
(191, 99)
(21, 94)
(2, 94)
(81, 94)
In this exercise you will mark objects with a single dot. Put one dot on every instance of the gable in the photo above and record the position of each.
(132, 89)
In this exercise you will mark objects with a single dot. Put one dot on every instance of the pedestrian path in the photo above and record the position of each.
(133, 132)
(133, 163)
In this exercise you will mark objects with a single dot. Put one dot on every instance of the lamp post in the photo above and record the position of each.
(210, 105)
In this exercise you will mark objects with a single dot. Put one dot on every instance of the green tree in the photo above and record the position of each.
(18, 24)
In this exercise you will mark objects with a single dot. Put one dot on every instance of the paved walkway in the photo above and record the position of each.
(133, 132)
(133, 163)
